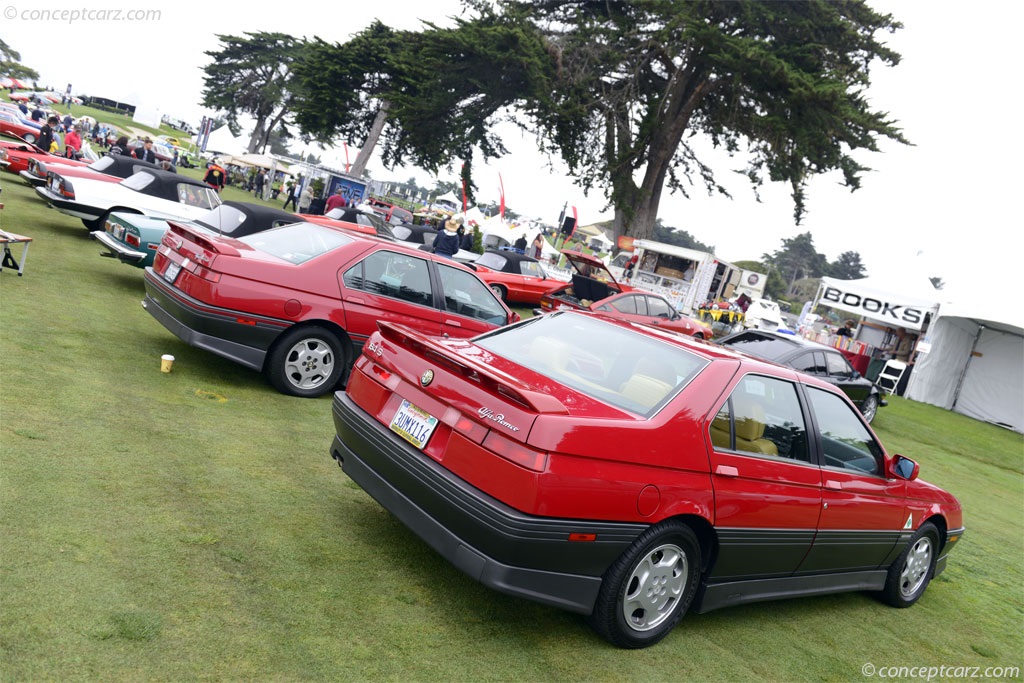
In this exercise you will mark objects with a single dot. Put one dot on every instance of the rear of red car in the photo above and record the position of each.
(498, 464)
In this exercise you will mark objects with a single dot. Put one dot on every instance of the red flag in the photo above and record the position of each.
(501, 193)
(575, 222)
(347, 165)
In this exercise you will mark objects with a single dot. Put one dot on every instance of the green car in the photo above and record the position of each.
(134, 238)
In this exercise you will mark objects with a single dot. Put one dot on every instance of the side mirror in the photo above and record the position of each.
(903, 467)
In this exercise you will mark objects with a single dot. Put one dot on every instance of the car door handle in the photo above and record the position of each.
(356, 299)
(833, 484)
(727, 471)
(453, 323)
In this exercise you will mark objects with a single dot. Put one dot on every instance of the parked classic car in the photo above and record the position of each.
(353, 218)
(151, 192)
(134, 239)
(649, 308)
(814, 359)
(14, 125)
(591, 282)
(111, 168)
(631, 475)
(297, 302)
(16, 155)
(514, 276)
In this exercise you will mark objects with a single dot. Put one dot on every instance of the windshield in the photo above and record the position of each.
(298, 242)
(628, 369)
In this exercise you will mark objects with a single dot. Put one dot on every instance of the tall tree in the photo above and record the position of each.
(847, 267)
(11, 66)
(250, 75)
(797, 259)
(619, 89)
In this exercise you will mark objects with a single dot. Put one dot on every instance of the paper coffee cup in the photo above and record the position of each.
(166, 361)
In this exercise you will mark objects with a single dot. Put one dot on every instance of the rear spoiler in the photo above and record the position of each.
(494, 381)
(176, 231)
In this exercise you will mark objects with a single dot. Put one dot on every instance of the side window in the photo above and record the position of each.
(464, 294)
(626, 304)
(396, 275)
(762, 416)
(838, 366)
(658, 307)
(846, 443)
(804, 363)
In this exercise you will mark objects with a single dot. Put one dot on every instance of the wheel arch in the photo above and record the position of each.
(329, 325)
(706, 536)
(940, 524)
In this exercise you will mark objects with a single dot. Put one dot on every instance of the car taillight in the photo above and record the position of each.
(4, 156)
(132, 240)
(515, 452)
(66, 189)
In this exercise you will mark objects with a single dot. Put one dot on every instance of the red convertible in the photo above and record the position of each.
(112, 168)
(514, 276)
(15, 156)
(632, 476)
(591, 282)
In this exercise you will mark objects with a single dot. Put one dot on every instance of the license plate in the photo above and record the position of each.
(171, 272)
(54, 184)
(413, 424)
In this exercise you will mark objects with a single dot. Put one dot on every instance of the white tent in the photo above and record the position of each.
(974, 365)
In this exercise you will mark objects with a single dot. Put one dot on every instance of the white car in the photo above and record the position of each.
(151, 192)
(763, 315)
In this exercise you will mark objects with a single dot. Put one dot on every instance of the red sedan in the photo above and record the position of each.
(631, 476)
(649, 308)
(297, 302)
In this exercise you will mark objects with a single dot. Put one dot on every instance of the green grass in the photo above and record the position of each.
(191, 526)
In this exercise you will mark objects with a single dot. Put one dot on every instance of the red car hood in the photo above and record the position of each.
(584, 263)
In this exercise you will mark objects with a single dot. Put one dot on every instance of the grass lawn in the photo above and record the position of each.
(191, 526)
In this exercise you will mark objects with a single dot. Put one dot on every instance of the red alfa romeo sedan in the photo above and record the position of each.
(631, 475)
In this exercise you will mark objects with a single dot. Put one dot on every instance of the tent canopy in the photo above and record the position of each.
(893, 300)
(972, 362)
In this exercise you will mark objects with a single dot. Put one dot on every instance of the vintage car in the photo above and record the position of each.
(112, 168)
(354, 219)
(392, 213)
(152, 192)
(591, 282)
(513, 276)
(297, 302)
(422, 237)
(13, 124)
(649, 308)
(16, 155)
(630, 475)
(816, 359)
(134, 239)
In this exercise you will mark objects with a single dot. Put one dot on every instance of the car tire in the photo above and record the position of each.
(306, 361)
(29, 138)
(869, 408)
(912, 571)
(499, 292)
(648, 589)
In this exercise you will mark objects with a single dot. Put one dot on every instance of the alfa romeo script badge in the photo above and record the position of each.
(427, 377)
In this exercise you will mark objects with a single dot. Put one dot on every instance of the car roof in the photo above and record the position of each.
(126, 161)
(514, 256)
(169, 179)
(776, 346)
(259, 214)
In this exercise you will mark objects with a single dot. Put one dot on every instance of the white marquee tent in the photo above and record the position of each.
(974, 365)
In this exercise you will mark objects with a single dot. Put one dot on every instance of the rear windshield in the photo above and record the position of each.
(760, 345)
(611, 363)
(297, 243)
(224, 219)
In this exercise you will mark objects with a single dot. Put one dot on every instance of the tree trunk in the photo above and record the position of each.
(366, 151)
(257, 137)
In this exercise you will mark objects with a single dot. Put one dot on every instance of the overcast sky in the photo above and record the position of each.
(939, 208)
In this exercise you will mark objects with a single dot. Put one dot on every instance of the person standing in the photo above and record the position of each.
(45, 140)
(258, 182)
(215, 176)
(520, 244)
(120, 146)
(538, 246)
(72, 143)
(146, 153)
(305, 199)
(293, 194)
(334, 201)
(447, 241)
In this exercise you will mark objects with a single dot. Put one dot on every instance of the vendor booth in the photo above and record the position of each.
(895, 310)
(972, 362)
